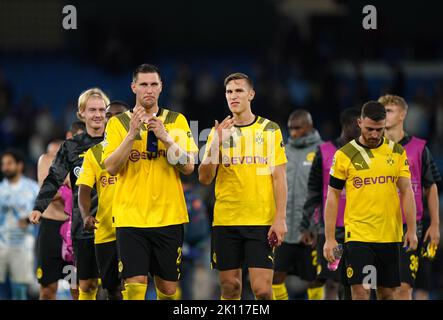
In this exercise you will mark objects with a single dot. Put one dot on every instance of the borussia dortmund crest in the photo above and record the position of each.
(390, 160)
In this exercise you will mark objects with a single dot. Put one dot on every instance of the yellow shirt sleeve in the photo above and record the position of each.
(339, 168)
(113, 138)
(404, 166)
(87, 174)
(277, 154)
(182, 135)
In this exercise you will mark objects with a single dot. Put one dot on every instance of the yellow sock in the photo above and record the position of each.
(125, 294)
(178, 294)
(162, 296)
(223, 298)
(89, 295)
(280, 291)
(136, 291)
(316, 293)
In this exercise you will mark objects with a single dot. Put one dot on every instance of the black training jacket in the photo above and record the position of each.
(69, 160)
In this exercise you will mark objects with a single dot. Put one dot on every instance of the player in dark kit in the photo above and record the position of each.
(315, 203)
(91, 109)
(424, 175)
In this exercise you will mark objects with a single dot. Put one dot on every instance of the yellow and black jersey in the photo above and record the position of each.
(244, 190)
(149, 191)
(372, 211)
(92, 173)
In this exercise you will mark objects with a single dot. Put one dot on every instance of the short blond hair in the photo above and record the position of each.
(84, 97)
(388, 99)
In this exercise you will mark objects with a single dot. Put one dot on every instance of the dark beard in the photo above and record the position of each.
(10, 175)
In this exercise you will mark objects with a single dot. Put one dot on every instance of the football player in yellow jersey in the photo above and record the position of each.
(250, 192)
(371, 168)
(149, 207)
(93, 174)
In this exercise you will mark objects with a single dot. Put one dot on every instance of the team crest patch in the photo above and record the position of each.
(349, 272)
(39, 273)
(390, 160)
(310, 156)
(259, 137)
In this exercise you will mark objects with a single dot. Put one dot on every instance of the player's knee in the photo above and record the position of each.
(48, 293)
(360, 293)
(168, 290)
(262, 289)
(88, 285)
(404, 292)
(263, 292)
(231, 288)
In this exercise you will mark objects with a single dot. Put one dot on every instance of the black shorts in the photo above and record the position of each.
(410, 261)
(232, 247)
(86, 263)
(377, 264)
(324, 273)
(150, 250)
(424, 275)
(409, 264)
(297, 259)
(107, 262)
(50, 263)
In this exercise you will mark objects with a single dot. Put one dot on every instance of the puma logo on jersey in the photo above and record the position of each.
(358, 164)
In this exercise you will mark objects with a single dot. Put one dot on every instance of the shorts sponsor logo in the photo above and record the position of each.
(318, 269)
(120, 266)
(179, 257)
(214, 258)
(39, 273)
(349, 272)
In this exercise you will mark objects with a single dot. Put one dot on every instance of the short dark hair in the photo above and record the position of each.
(119, 103)
(302, 114)
(145, 68)
(374, 110)
(14, 153)
(238, 76)
(348, 116)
